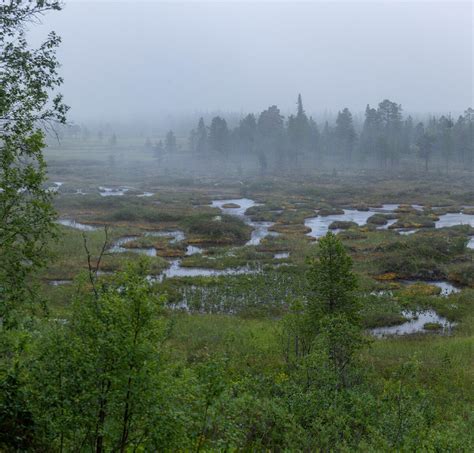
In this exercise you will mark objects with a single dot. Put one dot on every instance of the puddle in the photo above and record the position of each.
(175, 270)
(470, 244)
(77, 225)
(193, 250)
(281, 256)
(110, 192)
(59, 282)
(55, 187)
(414, 325)
(146, 194)
(406, 232)
(104, 273)
(447, 288)
(382, 293)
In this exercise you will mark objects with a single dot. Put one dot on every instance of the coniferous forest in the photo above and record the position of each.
(384, 139)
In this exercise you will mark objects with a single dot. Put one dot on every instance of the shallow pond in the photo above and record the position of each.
(449, 220)
(470, 244)
(415, 324)
(176, 270)
(59, 282)
(111, 192)
(193, 250)
(320, 225)
(77, 225)
(242, 203)
(55, 187)
(406, 232)
(281, 256)
(447, 288)
(260, 229)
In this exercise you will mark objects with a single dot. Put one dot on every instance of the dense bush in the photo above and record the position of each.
(222, 229)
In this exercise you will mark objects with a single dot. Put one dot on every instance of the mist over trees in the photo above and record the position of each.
(382, 141)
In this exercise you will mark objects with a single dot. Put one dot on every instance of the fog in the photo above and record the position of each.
(135, 60)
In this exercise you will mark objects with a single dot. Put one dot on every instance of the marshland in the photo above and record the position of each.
(238, 278)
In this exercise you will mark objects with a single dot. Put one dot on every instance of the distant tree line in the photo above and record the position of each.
(385, 138)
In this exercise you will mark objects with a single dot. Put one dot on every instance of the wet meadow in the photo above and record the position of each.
(231, 255)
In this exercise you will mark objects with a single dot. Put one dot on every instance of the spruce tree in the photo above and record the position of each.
(170, 143)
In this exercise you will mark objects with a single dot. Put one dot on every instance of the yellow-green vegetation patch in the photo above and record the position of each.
(420, 289)
(342, 225)
(433, 326)
(411, 222)
(290, 229)
(231, 206)
(387, 276)
(324, 212)
(221, 229)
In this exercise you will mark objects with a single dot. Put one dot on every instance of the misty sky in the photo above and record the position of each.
(129, 59)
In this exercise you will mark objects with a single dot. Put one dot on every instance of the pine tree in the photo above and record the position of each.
(271, 136)
(219, 135)
(247, 134)
(331, 280)
(299, 132)
(201, 137)
(389, 116)
(333, 308)
(345, 134)
(192, 140)
(170, 143)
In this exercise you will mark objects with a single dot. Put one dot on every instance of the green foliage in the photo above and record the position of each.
(17, 427)
(331, 281)
(221, 230)
(27, 78)
(94, 376)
